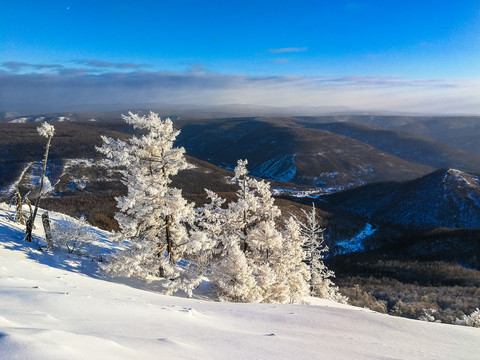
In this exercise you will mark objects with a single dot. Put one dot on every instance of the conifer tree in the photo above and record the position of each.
(294, 271)
(257, 262)
(153, 216)
(232, 274)
(207, 231)
(321, 284)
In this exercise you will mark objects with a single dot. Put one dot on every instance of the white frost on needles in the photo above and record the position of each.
(46, 130)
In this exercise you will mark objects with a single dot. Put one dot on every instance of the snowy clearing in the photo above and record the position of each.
(55, 307)
(355, 244)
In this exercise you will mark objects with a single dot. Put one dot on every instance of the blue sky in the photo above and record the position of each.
(420, 56)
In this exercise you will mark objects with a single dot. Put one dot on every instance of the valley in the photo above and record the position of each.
(396, 206)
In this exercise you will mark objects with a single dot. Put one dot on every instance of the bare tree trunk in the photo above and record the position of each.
(244, 242)
(169, 246)
(47, 229)
(168, 237)
(31, 219)
(18, 212)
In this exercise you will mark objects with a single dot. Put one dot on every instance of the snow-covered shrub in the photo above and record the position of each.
(429, 316)
(470, 320)
(72, 235)
(406, 309)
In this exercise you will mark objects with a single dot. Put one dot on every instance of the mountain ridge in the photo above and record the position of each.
(444, 198)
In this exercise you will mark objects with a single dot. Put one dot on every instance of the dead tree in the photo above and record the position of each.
(19, 216)
(47, 131)
(48, 230)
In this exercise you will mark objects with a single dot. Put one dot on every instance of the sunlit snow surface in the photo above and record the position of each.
(55, 307)
(466, 181)
(34, 119)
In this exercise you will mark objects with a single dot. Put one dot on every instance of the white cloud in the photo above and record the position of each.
(69, 89)
(107, 64)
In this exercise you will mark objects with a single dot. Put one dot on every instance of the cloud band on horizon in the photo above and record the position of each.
(57, 88)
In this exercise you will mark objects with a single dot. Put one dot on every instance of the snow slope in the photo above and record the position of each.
(55, 307)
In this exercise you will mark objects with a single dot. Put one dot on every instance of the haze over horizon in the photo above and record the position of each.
(371, 55)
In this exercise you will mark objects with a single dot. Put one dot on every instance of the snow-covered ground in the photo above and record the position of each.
(36, 119)
(55, 307)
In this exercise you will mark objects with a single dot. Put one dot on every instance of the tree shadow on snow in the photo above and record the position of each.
(12, 238)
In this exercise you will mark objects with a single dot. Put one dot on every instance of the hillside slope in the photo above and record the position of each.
(408, 146)
(444, 198)
(279, 149)
(55, 307)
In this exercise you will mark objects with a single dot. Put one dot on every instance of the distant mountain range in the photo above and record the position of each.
(397, 196)
(279, 149)
(331, 156)
(184, 111)
(460, 132)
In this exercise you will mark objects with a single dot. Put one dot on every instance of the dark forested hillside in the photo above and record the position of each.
(407, 146)
(444, 198)
(279, 149)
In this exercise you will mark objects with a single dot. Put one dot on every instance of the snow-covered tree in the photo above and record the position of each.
(429, 315)
(256, 262)
(47, 131)
(153, 216)
(232, 274)
(321, 284)
(207, 231)
(295, 272)
(254, 205)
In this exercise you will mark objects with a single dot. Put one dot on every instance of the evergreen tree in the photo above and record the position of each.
(321, 284)
(207, 231)
(232, 274)
(294, 271)
(153, 216)
(256, 262)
